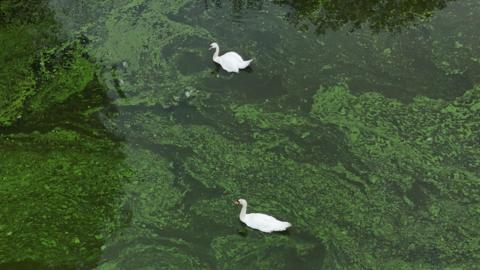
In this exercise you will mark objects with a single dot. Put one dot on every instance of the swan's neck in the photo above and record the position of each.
(215, 55)
(243, 212)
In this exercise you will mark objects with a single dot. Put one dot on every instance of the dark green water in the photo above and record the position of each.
(123, 146)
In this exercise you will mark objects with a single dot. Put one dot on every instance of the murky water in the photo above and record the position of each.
(123, 145)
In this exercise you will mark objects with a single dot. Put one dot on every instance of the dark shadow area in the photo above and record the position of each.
(335, 14)
(29, 265)
(376, 14)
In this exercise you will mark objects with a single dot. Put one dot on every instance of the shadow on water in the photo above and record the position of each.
(333, 15)
(378, 15)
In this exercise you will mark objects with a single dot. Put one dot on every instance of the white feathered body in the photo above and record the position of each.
(261, 222)
(230, 61)
(265, 223)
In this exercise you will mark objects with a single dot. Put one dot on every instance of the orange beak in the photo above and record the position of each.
(236, 202)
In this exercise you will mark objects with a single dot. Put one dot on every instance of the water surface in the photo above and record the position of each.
(123, 145)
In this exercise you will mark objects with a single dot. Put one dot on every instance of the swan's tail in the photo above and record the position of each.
(245, 64)
(281, 226)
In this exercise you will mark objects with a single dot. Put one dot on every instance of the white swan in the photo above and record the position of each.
(261, 222)
(230, 61)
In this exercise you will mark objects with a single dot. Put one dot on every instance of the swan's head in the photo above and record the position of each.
(241, 202)
(214, 45)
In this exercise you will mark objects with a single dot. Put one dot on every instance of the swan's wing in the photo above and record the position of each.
(265, 223)
(233, 56)
(228, 64)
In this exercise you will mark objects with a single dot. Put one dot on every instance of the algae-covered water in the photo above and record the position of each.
(123, 145)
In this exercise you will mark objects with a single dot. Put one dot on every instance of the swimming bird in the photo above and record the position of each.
(230, 61)
(261, 222)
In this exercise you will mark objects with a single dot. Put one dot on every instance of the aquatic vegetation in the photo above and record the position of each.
(159, 254)
(144, 143)
(59, 194)
(144, 48)
(59, 187)
(151, 195)
(151, 205)
(363, 217)
(19, 12)
(415, 152)
(21, 38)
(237, 252)
(40, 71)
(62, 73)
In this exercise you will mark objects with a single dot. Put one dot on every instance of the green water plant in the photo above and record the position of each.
(156, 144)
(59, 194)
(377, 188)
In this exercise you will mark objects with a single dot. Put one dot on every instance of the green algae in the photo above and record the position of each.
(345, 168)
(153, 257)
(62, 73)
(136, 39)
(147, 47)
(87, 191)
(152, 205)
(411, 151)
(237, 252)
(362, 218)
(59, 187)
(152, 195)
(367, 181)
(59, 214)
(39, 77)
(21, 37)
